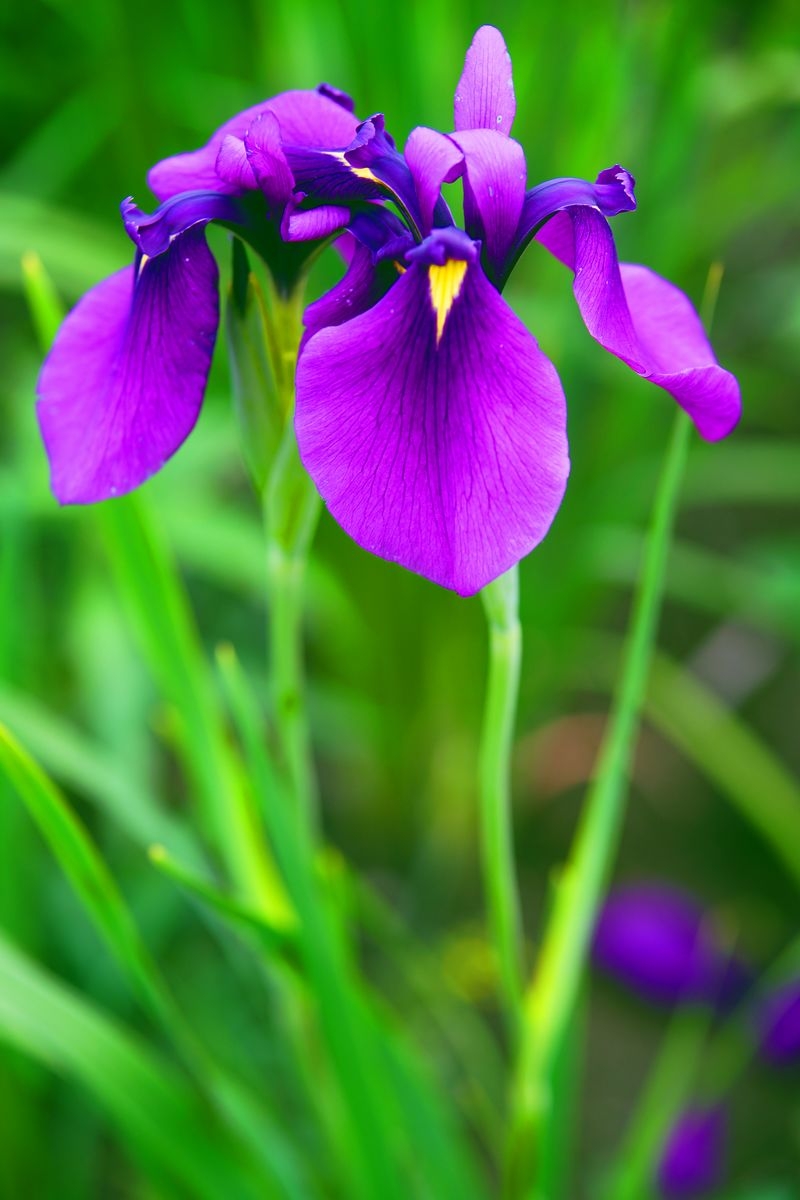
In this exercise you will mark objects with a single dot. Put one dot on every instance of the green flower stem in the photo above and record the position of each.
(552, 995)
(501, 602)
(291, 514)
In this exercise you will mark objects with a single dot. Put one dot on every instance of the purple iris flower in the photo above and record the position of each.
(658, 942)
(123, 384)
(430, 420)
(692, 1161)
(778, 1020)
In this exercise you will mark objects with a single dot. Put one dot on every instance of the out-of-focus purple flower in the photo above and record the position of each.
(693, 1159)
(778, 1021)
(658, 942)
(123, 384)
(431, 422)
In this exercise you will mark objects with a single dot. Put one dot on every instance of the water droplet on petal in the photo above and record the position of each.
(500, 120)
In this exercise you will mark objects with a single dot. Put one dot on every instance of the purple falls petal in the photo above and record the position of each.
(485, 94)
(494, 190)
(778, 1020)
(433, 159)
(153, 233)
(438, 444)
(644, 320)
(122, 386)
(611, 193)
(693, 1159)
(306, 118)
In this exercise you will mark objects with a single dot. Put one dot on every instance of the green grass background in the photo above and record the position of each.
(700, 101)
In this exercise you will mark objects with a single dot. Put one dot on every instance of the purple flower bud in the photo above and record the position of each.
(692, 1161)
(779, 1025)
(657, 941)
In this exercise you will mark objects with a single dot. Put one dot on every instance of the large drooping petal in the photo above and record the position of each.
(122, 386)
(153, 233)
(644, 320)
(322, 118)
(433, 426)
(494, 190)
(611, 193)
(485, 94)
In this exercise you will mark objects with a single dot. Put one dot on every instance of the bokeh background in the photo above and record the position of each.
(700, 101)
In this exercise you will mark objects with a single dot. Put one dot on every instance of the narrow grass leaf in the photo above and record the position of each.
(160, 1120)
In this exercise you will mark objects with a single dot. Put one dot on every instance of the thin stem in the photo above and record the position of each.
(501, 602)
(552, 995)
(291, 514)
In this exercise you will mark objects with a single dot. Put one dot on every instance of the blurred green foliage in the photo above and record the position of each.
(700, 100)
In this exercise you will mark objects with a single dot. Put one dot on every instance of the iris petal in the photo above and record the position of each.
(313, 223)
(353, 294)
(122, 387)
(433, 159)
(369, 168)
(262, 143)
(306, 118)
(644, 320)
(485, 94)
(153, 233)
(494, 190)
(438, 445)
(611, 193)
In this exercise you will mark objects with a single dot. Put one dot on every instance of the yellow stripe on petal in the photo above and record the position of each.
(359, 172)
(445, 284)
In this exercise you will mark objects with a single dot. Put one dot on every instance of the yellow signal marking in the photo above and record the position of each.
(445, 284)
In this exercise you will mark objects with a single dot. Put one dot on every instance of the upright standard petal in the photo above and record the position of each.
(433, 159)
(321, 118)
(485, 94)
(644, 320)
(494, 191)
(433, 426)
(122, 386)
(262, 144)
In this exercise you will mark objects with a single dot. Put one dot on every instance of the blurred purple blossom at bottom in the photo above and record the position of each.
(778, 1020)
(693, 1157)
(658, 942)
